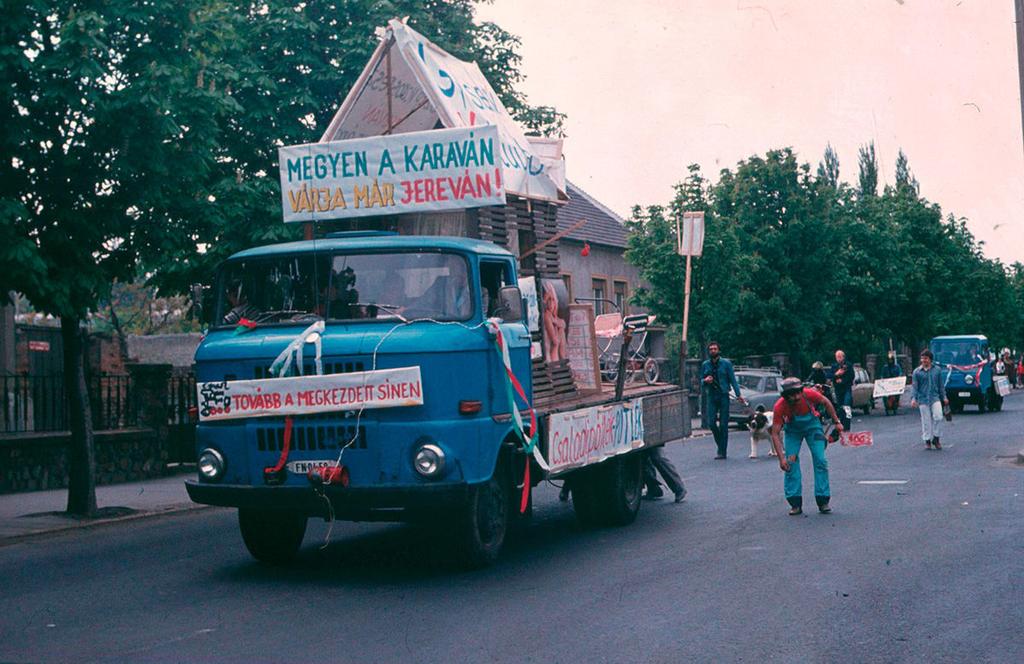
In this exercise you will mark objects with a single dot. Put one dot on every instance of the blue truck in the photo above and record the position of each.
(369, 376)
(968, 363)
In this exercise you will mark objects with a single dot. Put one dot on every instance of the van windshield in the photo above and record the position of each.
(345, 287)
(963, 352)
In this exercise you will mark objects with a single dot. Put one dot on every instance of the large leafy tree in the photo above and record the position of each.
(142, 136)
(807, 265)
(107, 124)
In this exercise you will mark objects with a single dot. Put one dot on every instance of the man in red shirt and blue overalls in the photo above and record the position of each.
(798, 409)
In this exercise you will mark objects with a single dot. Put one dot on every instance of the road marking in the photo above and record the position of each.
(883, 481)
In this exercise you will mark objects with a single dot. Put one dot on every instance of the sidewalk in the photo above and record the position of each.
(32, 513)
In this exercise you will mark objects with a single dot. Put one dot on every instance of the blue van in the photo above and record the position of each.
(365, 377)
(968, 361)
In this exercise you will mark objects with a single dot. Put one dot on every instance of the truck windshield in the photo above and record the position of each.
(345, 287)
(963, 351)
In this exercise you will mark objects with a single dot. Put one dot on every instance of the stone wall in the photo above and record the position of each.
(37, 461)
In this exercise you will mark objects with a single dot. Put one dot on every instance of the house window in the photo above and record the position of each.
(527, 241)
(600, 293)
(621, 296)
(567, 279)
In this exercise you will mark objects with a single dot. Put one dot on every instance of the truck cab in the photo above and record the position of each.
(967, 362)
(359, 305)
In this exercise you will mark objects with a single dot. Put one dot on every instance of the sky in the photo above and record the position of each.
(651, 86)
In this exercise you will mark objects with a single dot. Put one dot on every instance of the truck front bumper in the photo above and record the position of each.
(389, 503)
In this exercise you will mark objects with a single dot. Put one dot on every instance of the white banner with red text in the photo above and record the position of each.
(423, 171)
(303, 395)
(889, 387)
(591, 435)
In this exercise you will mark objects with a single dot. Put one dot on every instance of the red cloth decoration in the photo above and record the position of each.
(585, 251)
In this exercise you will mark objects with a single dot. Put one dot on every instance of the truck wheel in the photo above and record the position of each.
(609, 493)
(956, 406)
(484, 523)
(623, 489)
(272, 536)
(982, 405)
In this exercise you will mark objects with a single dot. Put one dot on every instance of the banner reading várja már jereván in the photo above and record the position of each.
(443, 169)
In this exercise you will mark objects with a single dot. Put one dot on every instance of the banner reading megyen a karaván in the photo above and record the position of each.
(444, 169)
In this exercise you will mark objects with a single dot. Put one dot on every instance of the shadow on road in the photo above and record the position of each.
(403, 553)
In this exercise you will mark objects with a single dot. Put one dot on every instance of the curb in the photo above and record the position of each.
(99, 523)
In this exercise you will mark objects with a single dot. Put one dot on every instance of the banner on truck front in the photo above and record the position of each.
(590, 435)
(424, 171)
(303, 395)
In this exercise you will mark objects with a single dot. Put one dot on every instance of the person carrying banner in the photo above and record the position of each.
(930, 398)
(892, 369)
(797, 412)
(718, 376)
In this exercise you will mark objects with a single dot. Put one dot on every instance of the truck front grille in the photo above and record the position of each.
(311, 433)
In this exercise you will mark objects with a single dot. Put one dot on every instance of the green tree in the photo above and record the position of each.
(107, 123)
(904, 178)
(828, 167)
(867, 177)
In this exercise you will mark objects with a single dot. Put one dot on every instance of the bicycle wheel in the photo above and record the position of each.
(610, 369)
(651, 371)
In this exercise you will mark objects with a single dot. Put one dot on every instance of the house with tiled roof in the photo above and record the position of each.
(591, 255)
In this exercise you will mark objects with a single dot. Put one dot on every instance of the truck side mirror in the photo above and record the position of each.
(510, 304)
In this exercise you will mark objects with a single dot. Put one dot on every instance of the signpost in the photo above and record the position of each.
(690, 243)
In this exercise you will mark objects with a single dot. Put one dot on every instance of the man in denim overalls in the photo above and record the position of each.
(798, 409)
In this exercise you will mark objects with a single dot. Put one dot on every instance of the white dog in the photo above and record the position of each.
(760, 423)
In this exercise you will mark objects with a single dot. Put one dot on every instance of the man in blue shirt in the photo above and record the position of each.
(718, 376)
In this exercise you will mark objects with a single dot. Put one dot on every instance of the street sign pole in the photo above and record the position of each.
(689, 243)
(686, 323)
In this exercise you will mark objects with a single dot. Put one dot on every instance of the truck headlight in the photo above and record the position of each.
(429, 461)
(968, 379)
(211, 464)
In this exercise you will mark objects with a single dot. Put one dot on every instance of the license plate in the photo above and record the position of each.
(963, 394)
(303, 467)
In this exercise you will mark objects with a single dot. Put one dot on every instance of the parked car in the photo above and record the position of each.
(863, 389)
(760, 387)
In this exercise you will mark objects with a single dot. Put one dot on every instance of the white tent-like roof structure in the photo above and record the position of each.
(411, 84)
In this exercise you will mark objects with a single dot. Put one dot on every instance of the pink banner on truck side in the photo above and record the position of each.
(591, 435)
(302, 395)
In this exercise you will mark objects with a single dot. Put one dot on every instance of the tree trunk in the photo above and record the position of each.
(82, 452)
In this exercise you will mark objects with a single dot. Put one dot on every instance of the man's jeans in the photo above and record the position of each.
(718, 419)
(844, 399)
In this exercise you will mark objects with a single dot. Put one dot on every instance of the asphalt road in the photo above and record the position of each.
(930, 570)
